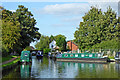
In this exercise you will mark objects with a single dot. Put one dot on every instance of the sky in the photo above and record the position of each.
(58, 16)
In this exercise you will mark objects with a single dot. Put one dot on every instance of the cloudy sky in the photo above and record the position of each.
(57, 17)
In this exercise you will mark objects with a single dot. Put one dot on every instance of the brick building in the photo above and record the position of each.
(72, 46)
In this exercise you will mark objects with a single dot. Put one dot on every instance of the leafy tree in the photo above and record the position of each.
(28, 31)
(61, 41)
(43, 43)
(51, 38)
(10, 31)
(18, 29)
(96, 28)
(28, 48)
(46, 50)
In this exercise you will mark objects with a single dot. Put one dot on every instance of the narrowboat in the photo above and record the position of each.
(25, 57)
(117, 57)
(82, 57)
(39, 54)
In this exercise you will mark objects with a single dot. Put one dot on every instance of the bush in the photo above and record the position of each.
(46, 50)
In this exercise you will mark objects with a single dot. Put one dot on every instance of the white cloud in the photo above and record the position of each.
(103, 0)
(75, 8)
(59, 0)
(105, 5)
(66, 9)
(13, 10)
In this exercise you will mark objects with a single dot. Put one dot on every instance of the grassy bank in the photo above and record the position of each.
(6, 58)
(12, 62)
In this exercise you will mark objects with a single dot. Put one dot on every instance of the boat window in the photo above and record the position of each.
(90, 55)
(117, 54)
(25, 54)
(76, 55)
(98, 55)
(66, 55)
(71, 55)
(82, 55)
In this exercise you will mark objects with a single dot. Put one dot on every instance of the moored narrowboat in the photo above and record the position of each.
(117, 57)
(39, 54)
(82, 57)
(26, 57)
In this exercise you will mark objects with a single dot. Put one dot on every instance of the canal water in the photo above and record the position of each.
(47, 68)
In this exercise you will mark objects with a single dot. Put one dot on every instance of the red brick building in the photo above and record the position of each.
(72, 46)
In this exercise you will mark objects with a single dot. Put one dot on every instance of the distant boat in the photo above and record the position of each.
(82, 57)
(117, 57)
(39, 54)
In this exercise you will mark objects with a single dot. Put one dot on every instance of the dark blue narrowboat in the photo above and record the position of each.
(39, 54)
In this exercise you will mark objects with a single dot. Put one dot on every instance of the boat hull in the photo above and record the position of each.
(98, 60)
(39, 56)
(117, 60)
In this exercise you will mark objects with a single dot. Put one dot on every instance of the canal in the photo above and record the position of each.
(47, 68)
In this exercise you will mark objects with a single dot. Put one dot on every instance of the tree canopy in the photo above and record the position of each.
(61, 41)
(18, 29)
(43, 43)
(98, 29)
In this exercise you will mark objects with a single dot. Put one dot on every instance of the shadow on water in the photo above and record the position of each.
(47, 68)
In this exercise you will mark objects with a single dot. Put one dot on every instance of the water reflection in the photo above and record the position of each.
(24, 71)
(47, 68)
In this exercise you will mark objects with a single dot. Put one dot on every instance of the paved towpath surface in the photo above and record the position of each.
(8, 61)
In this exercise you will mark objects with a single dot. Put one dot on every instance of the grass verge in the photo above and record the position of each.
(10, 63)
(6, 58)
(111, 57)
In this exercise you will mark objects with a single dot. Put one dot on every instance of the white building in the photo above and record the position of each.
(52, 45)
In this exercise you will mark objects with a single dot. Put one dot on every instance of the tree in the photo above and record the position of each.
(51, 38)
(10, 31)
(29, 33)
(61, 41)
(96, 28)
(18, 29)
(46, 50)
(28, 48)
(43, 43)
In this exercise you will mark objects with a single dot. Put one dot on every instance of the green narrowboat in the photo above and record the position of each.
(81, 57)
(26, 56)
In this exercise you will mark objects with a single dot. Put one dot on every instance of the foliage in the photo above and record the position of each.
(98, 30)
(61, 41)
(28, 48)
(18, 29)
(27, 25)
(51, 38)
(10, 31)
(11, 63)
(46, 50)
(6, 58)
(43, 43)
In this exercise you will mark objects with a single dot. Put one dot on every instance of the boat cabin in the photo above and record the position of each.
(79, 55)
(25, 56)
